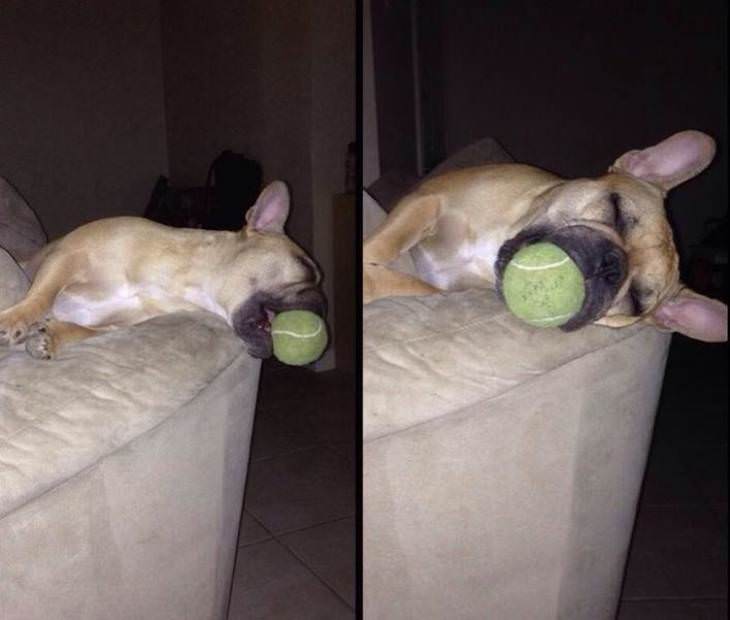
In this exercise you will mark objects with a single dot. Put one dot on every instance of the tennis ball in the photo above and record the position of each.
(299, 337)
(543, 286)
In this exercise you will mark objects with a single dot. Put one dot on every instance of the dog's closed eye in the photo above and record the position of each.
(635, 300)
(640, 299)
(618, 219)
(622, 221)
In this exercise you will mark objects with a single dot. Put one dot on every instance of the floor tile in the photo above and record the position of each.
(679, 548)
(301, 489)
(706, 464)
(329, 550)
(673, 610)
(287, 383)
(301, 409)
(667, 480)
(271, 584)
(297, 425)
(251, 531)
(685, 413)
(677, 551)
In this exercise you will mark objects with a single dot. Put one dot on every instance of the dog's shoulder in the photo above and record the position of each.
(484, 174)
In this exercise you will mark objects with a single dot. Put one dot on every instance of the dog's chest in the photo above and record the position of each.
(125, 304)
(469, 264)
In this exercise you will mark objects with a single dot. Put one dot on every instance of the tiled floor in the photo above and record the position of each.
(677, 566)
(297, 542)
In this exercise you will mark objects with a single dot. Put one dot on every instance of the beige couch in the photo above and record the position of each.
(122, 469)
(502, 463)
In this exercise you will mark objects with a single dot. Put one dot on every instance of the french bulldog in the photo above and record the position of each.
(119, 271)
(463, 227)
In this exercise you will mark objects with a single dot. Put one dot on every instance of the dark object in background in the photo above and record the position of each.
(232, 186)
(236, 183)
(182, 208)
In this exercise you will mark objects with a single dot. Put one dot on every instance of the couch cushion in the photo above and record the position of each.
(13, 282)
(441, 353)
(59, 418)
(21, 234)
(484, 151)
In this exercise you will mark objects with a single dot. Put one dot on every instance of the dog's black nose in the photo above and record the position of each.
(611, 267)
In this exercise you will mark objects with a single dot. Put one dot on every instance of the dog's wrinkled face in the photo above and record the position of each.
(270, 274)
(287, 282)
(615, 229)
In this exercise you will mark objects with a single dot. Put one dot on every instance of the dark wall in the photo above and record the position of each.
(82, 123)
(394, 89)
(570, 86)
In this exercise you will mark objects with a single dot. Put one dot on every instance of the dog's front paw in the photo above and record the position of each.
(13, 330)
(40, 343)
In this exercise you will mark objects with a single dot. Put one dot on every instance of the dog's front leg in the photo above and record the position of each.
(413, 219)
(379, 281)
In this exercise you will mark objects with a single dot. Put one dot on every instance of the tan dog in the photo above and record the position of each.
(462, 228)
(121, 271)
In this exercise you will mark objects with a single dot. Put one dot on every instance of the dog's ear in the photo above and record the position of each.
(270, 211)
(671, 162)
(693, 315)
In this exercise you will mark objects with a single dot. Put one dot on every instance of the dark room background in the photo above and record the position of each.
(98, 98)
(564, 86)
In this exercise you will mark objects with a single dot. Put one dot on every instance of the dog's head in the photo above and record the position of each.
(615, 228)
(268, 273)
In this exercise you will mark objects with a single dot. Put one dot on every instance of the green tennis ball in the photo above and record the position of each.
(543, 286)
(299, 337)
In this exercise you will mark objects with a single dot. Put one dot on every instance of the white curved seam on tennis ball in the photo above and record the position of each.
(551, 318)
(540, 267)
(286, 332)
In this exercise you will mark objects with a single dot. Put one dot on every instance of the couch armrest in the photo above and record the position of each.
(502, 463)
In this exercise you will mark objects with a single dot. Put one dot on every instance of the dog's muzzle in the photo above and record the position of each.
(252, 320)
(604, 265)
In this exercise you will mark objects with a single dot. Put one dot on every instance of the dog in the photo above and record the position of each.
(463, 227)
(120, 271)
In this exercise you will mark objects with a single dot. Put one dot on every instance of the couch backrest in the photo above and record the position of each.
(21, 233)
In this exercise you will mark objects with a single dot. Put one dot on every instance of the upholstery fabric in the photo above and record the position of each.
(21, 233)
(122, 468)
(502, 463)
(393, 184)
(484, 151)
(13, 281)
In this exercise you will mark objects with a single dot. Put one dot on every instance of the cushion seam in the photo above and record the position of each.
(123, 444)
(462, 327)
(504, 392)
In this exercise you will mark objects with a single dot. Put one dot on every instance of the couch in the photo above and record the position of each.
(122, 463)
(502, 463)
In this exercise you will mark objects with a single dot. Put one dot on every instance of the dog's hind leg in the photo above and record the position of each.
(50, 278)
(47, 338)
(413, 219)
